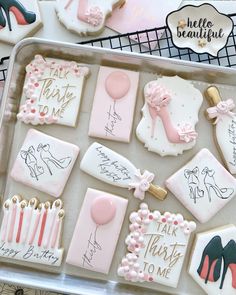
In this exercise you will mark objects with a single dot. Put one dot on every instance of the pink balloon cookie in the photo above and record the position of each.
(85, 17)
(157, 246)
(52, 92)
(44, 163)
(31, 232)
(116, 92)
(213, 262)
(170, 114)
(102, 214)
(202, 183)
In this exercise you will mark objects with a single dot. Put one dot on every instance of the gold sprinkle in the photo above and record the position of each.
(202, 43)
(182, 24)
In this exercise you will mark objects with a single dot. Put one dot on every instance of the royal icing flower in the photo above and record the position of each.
(94, 16)
(187, 133)
(157, 96)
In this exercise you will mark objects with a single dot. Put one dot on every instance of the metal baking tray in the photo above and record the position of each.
(68, 279)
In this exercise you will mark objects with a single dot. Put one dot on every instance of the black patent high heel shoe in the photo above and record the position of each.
(2, 20)
(229, 257)
(210, 266)
(23, 16)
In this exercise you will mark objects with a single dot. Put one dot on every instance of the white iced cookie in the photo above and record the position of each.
(170, 114)
(222, 112)
(18, 19)
(203, 183)
(157, 245)
(213, 262)
(85, 17)
(52, 92)
(44, 163)
(31, 232)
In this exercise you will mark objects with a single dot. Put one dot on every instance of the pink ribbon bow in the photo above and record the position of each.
(223, 108)
(142, 185)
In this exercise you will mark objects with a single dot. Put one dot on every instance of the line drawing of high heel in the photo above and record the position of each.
(2, 20)
(193, 183)
(91, 15)
(211, 261)
(229, 258)
(32, 162)
(211, 185)
(47, 157)
(157, 98)
(22, 15)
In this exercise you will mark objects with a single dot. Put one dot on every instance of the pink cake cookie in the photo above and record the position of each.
(203, 183)
(31, 231)
(44, 163)
(116, 92)
(157, 246)
(102, 215)
(213, 262)
(52, 92)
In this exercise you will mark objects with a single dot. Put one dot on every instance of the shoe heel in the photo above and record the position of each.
(223, 276)
(8, 19)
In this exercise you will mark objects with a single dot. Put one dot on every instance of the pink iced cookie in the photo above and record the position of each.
(44, 163)
(157, 245)
(102, 214)
(114, 104)
(203, 183)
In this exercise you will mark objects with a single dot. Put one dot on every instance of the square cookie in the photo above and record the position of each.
(102, 214)
(157, 246)
(44, 163)
(52, 92)
(203, 183)
(114, 104)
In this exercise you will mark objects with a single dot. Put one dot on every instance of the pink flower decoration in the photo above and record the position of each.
(187, 133)
(157, 96)
(94, 16)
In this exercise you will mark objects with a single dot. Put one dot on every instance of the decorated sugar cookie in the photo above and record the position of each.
(170, 114)
(85, 17)
(223, 117)
(110, 167)
(213, 262)
(157, 245)
(52, 92)
(203, 183)
(102, 214)
(18, 19)
(31, 231)
(116, 91)
(44, 163)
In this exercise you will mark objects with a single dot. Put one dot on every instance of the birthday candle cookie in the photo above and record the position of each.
(170, 114)
(202, 183)
(52, 92)
(102, 214)
(85, 17)
(31, 231)
(18, 19)
(44, 163)
(213, 261)
(157, 245)
(116, 92)
(110, 167)
(223, 117)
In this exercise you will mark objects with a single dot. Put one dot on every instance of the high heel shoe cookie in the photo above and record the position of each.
(213, 262)
(170, 115)
(202, 183)
(85, 17)
(18, 19)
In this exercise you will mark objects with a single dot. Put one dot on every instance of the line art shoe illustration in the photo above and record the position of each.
(212, 188)
(210, 265)
(49, 159)
(32, 162)
(2, 20)
(91, 15)
(22, 15)
(193, 182)
(229, 258)
(158, 98)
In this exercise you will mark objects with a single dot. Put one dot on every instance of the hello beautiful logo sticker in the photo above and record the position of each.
(201, 28)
